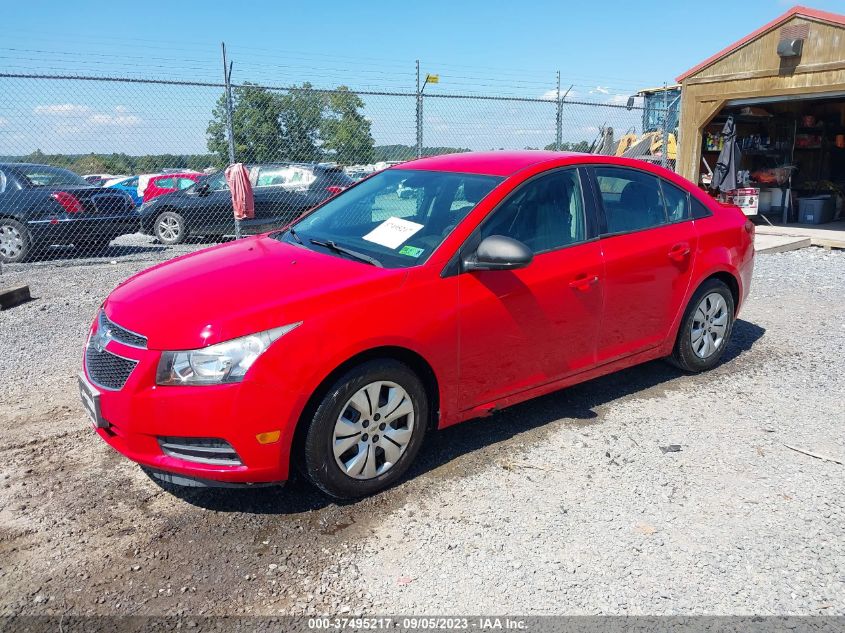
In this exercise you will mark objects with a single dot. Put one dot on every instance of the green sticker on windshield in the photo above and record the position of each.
(411, 251)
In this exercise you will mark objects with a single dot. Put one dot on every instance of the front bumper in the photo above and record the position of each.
(141, 412)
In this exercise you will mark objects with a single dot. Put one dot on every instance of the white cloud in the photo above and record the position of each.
(600, 90)
(120, 118)
(618, 98)
(62, 109)
(114, 120)
(551, 95)
(3, 122)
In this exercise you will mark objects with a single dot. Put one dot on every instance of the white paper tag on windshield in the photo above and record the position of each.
(393, 232)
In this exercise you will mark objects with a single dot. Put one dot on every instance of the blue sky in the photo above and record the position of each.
(605, 50)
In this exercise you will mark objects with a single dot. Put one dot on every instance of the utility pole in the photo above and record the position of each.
(558, 117)
(230, 134)
(419, 114)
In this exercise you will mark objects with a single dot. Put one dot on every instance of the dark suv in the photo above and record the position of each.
(42, 205)
(282, 192)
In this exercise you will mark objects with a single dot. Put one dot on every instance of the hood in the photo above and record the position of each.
(235, 289)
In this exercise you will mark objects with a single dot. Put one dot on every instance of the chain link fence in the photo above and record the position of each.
(116, 166)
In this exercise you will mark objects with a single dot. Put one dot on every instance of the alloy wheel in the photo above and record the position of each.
(11, 241)
(373, 430)
(168, 228)
(709, 325)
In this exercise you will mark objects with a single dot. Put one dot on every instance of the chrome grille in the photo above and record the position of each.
(203, 450)
(107, 370)
(120, 334)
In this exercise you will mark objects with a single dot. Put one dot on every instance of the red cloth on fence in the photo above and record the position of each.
(242, 199)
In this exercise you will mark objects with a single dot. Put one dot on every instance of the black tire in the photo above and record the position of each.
(170, 228)
(684, 355)
(15, 241)
(318, 459)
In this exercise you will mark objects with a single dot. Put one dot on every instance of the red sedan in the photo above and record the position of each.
(168, 183)
(339, 342)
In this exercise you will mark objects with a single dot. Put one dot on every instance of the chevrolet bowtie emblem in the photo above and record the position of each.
(101, 338)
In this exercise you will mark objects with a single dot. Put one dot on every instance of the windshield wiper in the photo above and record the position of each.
(347, 251)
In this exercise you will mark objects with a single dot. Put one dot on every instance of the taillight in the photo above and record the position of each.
(334, 189)
(69, 202)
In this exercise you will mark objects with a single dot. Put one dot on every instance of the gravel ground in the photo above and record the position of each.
(565, 505)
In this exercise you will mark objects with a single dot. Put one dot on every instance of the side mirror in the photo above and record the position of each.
(201, 188)
(498, 252)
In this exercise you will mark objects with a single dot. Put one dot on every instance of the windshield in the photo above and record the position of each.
(215, 182)
(397, 217)
(43, 176)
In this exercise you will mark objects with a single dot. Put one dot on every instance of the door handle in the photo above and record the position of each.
(583, 282)
(679, 252)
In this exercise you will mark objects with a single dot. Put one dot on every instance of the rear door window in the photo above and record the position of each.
(699, 210)
(676, 201)
(632, 199)
(166, 183)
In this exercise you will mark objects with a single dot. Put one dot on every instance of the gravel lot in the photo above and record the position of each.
(562, 505)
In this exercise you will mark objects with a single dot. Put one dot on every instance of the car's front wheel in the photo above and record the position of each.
(706, 328)
(366, 430)
(15, 241)
(170, 228)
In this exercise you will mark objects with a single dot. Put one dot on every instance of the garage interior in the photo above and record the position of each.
(784, 87)
(792, 150)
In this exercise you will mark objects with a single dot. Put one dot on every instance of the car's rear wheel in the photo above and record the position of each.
(706, 328)
(366, 430)
(170, 228)
(15, 241)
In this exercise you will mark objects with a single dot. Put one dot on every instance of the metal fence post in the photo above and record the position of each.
(419, 114)
(230, 133)
(558, 117)
(664, 155)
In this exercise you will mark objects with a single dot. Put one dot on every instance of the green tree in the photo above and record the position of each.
(90, 164)
(301, 116)
(566, 146)
(256, 126)
(345, 130)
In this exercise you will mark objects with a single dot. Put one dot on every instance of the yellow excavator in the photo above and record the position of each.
(660, 108)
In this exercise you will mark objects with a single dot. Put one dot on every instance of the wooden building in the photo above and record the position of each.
(784, 84)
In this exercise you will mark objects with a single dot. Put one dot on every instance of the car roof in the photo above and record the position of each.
(176, 174)
(496, 163)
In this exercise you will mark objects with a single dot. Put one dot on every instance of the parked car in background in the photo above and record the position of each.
(337, 343)
(42, 205)
(282, 192)
(129, 185)
(99, 179)
(168, 183)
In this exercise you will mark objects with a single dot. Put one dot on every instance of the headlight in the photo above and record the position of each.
(221, 363)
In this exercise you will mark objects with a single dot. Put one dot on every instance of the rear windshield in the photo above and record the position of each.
(44, 176)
